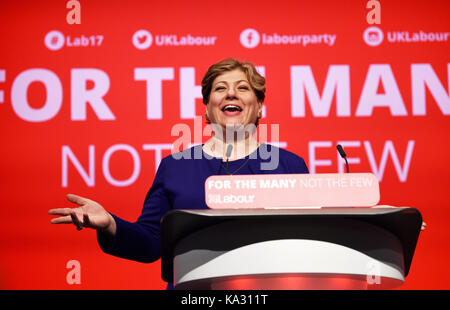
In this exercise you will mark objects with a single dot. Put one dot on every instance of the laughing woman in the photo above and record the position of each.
(233, 94)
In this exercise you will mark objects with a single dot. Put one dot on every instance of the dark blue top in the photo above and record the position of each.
(180, 184)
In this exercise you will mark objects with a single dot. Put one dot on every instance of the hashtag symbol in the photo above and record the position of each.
(249, 38)
(54, 40)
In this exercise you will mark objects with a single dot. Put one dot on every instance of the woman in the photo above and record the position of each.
(233, 94)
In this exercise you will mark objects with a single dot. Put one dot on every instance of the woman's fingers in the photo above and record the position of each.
(60, 211)
(72, 218)
(62, 220)
(69, 216)
(77, 216)
(86, 221)
(76, 221)
(76, 199)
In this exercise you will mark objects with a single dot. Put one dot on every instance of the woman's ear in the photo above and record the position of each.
(206, 114)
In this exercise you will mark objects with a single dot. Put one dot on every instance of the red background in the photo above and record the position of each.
(34, 253)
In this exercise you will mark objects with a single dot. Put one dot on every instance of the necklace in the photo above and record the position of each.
(226, 167)
(212, 149)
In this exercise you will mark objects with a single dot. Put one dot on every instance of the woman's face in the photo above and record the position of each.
(232, 101)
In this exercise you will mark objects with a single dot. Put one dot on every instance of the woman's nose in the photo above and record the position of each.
(231, 92)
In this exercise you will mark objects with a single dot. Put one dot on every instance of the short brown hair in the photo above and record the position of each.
(256, 80)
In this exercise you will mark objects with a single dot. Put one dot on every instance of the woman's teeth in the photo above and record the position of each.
(231, 108)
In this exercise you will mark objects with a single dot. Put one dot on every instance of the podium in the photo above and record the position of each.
(326, 248)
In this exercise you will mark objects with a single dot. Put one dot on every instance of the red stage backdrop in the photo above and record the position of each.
(88, 108)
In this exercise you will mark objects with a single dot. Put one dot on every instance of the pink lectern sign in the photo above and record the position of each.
(275, 191)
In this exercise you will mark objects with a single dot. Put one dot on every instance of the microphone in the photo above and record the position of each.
(343, 155)
(228, 154)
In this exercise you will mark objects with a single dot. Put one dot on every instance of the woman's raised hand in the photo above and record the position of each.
(88, 214)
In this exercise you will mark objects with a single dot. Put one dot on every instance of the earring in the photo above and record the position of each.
(206, 116)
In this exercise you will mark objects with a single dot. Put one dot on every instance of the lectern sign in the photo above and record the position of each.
(273, 191)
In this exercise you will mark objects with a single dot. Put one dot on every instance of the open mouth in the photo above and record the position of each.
(231, 110)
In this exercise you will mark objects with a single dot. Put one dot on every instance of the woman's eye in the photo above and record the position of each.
(243, 87)
(219, 88)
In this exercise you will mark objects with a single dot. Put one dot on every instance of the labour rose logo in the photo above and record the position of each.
(142, 39)
(54, 40)
(373, 36)
(249, 38)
